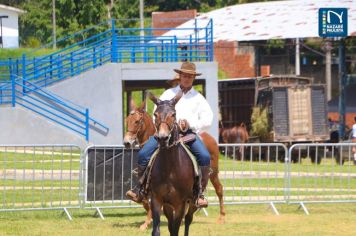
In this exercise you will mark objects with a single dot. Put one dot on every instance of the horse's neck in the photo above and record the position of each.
(175, 135)
(148, 129)
(169, 160)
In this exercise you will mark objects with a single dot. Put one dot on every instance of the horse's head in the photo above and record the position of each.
(134, 124)
(165, 118)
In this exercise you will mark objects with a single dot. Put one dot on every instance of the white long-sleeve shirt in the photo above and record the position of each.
(193, 107)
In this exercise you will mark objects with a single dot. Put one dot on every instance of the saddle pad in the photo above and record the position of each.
(192, 158)
(190, 154)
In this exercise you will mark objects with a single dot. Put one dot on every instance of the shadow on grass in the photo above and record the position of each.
(112, 214)
(137, 224)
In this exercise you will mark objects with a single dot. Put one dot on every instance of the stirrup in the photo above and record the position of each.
(201, 202)
(135, 197)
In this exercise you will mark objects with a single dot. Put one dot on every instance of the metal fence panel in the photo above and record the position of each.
(108, 175)
(252, 173)
(39, 177)
(50, 177)
(324, 172)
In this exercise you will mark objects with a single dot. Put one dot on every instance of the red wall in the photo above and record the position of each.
(349, 120)
(231, 62)
(170, 19)
(234, 63)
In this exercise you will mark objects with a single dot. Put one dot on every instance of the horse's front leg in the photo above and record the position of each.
(188, 219)
(156, 215)
(148, 220)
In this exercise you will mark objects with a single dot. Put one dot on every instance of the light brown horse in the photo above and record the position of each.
(236, 134)
(140, 127)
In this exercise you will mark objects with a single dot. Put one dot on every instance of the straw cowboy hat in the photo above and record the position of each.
(188, 68)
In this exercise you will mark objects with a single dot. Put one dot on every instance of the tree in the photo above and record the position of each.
(36, 22)
(90, 12)
(75, 15)
(129, 10)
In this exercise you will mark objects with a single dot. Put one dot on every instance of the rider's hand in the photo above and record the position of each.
(183, 125)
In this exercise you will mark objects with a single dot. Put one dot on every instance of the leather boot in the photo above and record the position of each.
(136, 194)
(202, 202)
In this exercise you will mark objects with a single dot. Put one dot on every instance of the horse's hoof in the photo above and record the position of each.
(221, 220)
(143, 227)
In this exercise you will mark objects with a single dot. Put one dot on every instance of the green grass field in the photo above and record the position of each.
(28, 179)
(18, 52)
(324, 219)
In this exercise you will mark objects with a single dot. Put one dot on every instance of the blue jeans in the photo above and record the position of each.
(197, 147)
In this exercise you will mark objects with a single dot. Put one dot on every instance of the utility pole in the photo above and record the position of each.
(2, 37)
(342, 85)
(297, 57)
(327, 48)
(142, 25)
(54, 23)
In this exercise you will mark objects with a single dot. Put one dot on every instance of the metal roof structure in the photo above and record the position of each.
(269, 20)
(13, 9)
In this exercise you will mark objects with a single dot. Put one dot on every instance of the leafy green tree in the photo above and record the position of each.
(90, 12)
(127, 11)
(13, 3)
(75, 15)
(37, 21)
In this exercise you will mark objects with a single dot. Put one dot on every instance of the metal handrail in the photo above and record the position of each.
(65, 102)
(113, 44)
(53, 107)
(198, 46)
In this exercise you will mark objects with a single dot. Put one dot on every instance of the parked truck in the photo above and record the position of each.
(296, 108)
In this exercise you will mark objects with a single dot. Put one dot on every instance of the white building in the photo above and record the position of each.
(9, 26)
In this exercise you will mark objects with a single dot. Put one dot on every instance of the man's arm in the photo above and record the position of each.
(205, 116)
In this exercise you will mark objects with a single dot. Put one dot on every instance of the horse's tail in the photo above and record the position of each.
(238, 134)
(244, 130)
(242, 135)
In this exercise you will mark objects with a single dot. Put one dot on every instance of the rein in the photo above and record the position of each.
(135, 132)
(173, 128)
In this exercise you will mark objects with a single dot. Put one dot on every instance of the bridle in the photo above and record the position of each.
(140, 125)
(171, 129)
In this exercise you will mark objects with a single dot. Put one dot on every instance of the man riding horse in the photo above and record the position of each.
(194, 115)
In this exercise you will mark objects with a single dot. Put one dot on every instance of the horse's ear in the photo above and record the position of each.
(132, 105)
(153, 98)
(243, 125)
(174, 100)
(142, 106)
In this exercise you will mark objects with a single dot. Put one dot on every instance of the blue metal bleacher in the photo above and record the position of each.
(23, 80)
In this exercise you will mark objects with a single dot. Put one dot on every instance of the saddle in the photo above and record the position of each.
(146, 178)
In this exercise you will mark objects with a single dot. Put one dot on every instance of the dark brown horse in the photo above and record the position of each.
(173, 179)
(140, 127)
